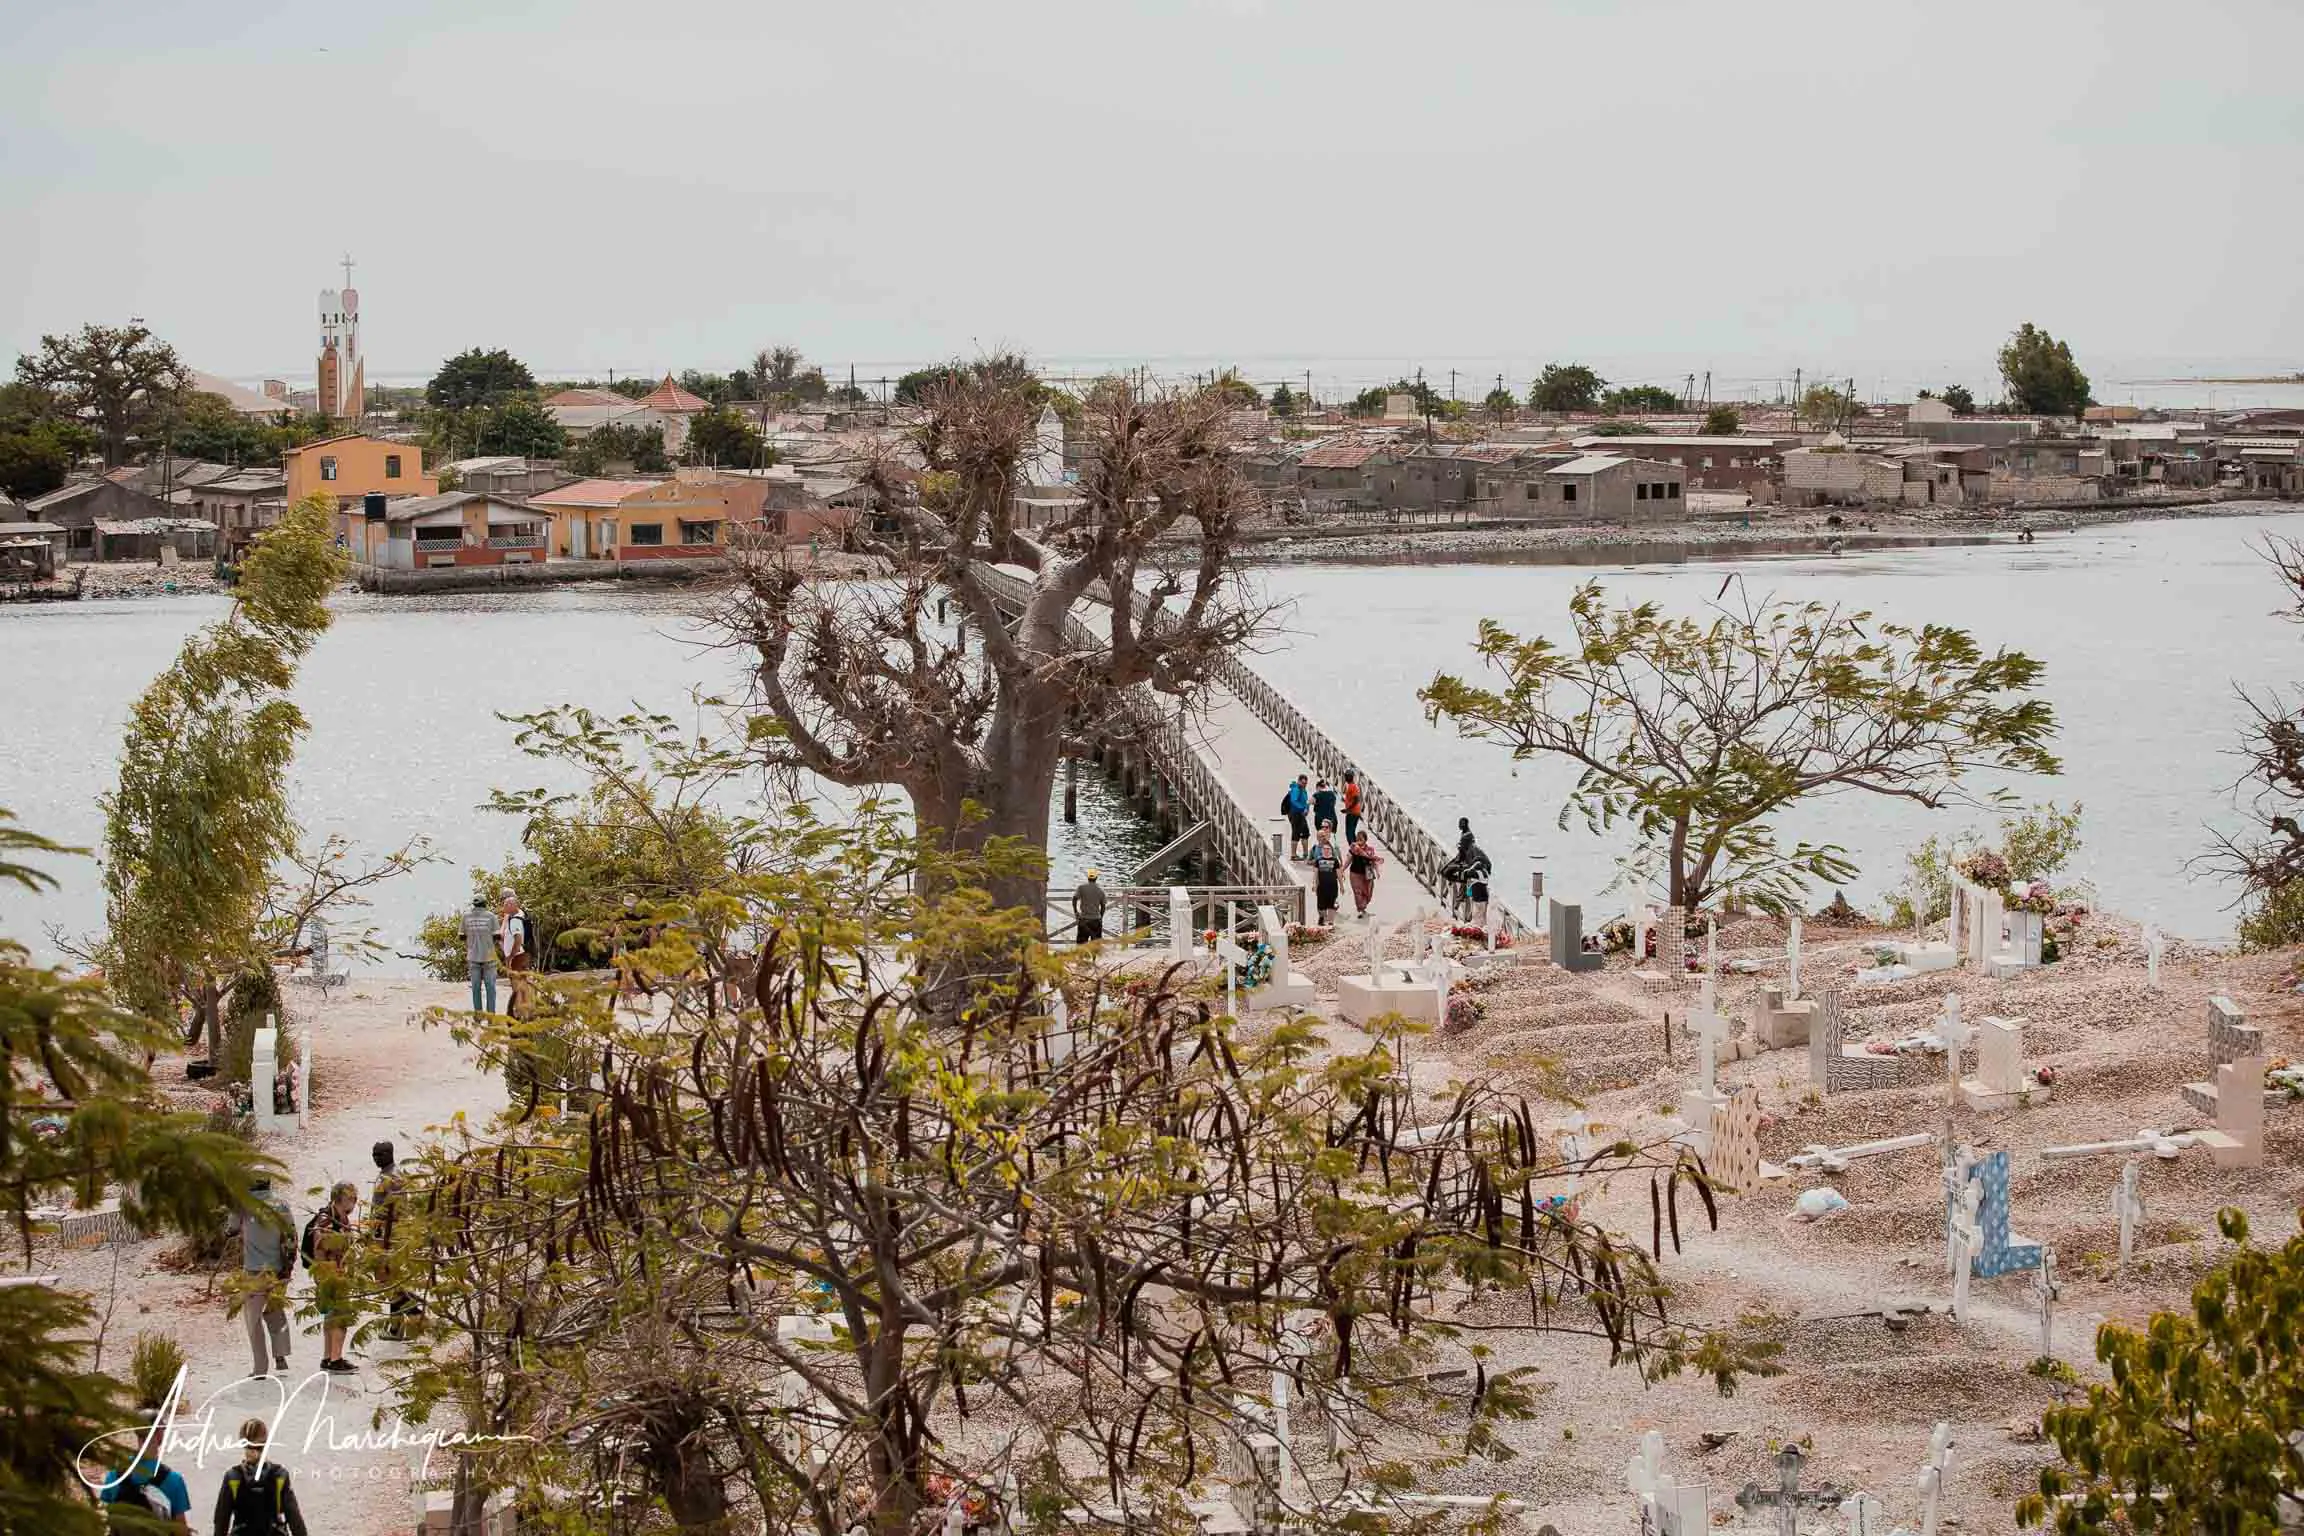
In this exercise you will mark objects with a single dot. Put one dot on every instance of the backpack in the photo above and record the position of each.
(311, 1232)
(527, 935)
(150, 1495)
(257, 1503)
(1288, 801)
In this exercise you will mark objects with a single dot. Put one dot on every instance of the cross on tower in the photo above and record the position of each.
(347, 265)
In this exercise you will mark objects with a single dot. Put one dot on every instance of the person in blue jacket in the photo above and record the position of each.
(1296, 805)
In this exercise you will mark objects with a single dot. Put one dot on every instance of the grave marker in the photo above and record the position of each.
(1566, 924)
(1779, 1023)
(1833, 1068)
(2001, 1081)
(2152, 946)
(263, 1072)
(1181, 943)
(1792, 960)
(2044, 1292)
(2128, 1206)
(1734, 1155)
(2001, 1250)
(1672, 943)
(1932, 1473)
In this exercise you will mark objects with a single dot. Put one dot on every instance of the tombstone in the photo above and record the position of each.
(1668, 1507)
(1779, 1023)
(304, 1080)
(1672, 943)
(1792, 959)
(1787, 1496)
(1866, 1515)
(1711, 984)
(2230, 1037)
(1734, 1156)
(1061, 1038)
(2000, 1250)
(263, 1070)
(1954, 1032)
(2128, 1206)
(1566, 924)
(1386, 987)
(2001, 1081)
(1182, 943)
(1932, 1473)
(1288, 988)
(2237, 1141)
(1967, 1241)
(794, 1395)
(2025, 930)
(1254, 1476)
(1833, 1068)
(2152, 947)
(1985, 912)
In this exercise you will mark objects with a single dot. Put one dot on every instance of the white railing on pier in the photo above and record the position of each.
(1139, 914)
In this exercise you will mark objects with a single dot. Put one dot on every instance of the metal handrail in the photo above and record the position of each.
(1139, 913)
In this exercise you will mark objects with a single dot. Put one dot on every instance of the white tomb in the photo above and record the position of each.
(2001, 1082)
(1183, 943)
(1287, 987)
(263, 1069)
(1397, 986)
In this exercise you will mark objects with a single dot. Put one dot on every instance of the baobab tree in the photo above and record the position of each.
(863, 684)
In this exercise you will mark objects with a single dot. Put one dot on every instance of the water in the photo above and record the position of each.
(402, 696)
(2144, 628)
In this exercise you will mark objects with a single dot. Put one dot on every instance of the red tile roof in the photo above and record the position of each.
(669, 396)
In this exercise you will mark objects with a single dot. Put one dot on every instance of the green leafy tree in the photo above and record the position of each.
(1829, 407)
(1286, 406)
(1692, 734)
(1238, 390)
(611, 446)
(1637, 398)
(1500, 403)
(206, 426)
(1723, 421)
(476, 378)
(200, 815)
(1958, 397)
(121, 381)
(66, 1043)
(33, 463)
(520, 425)
(2041, 376)
(977, 1212)
(913, 387)
(1369, 402)
(849, 394)
(725, 437)
(1566, 387)
(2202, 1426)
(2036, 844)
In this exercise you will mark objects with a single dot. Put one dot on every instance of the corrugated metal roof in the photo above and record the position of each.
(1340, 455)
(595, 493)
(1589, 464)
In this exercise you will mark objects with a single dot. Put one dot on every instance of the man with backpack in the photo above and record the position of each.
(516, 937)
(327, 1248)
(256, 1499)
(1296, 805)
(152, 1486)
(267, 1259)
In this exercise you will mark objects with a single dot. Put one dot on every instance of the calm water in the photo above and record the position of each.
(402, 698)
(2144, 629)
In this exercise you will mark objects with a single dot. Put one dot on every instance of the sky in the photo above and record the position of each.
(1879, 190)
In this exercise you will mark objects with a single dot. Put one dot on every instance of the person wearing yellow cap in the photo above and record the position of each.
(1088, 909)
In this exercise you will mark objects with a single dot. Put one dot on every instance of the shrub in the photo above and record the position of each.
(2276, 920)
(252, 998)
(152, 1368)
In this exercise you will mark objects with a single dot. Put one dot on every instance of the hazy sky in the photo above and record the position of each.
(1872, 188)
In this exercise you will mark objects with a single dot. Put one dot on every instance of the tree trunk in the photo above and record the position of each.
(1682, 884)
(896, 1494)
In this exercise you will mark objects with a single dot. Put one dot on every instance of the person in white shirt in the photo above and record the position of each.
(512, 939)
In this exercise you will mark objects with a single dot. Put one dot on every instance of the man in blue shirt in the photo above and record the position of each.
(1296, 805)
(150, 1484)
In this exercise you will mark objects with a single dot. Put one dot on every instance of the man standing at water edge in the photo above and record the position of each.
(480, 954)
(1088, 909)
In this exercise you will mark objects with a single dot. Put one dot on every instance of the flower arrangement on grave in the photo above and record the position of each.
(1256, 970)
(2036, 898)
(1305, 935)
(1616, 937)
(1473, 934)
(1984, 867)
(1464, 1010)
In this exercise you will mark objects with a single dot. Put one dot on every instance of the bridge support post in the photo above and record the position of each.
(1071, 789)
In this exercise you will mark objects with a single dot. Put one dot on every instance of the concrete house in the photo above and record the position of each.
(2051, 469)
(1838, 476)
(1608, 488)
(1722, 463)
(241, 507)
(349, 467)
(81, 507)
(415, 533)
(1337, 476)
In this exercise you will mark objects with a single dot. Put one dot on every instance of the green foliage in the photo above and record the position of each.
(1958, 397)
(519, 425)
(1723, 421)
(1238, 390)
(2202, 1426)
(1639, 397)
(475, 378)
(1285, 404)
(712, 388)
(68, 1044)
(582, 857)
(2041, 376)
(843, 1102)
(2035, 845)
(1619, 429)
(122, 381)
(1368, 403)
(152, 1368)
(612, 445)
(1500, 403)
(1566, 387)
(1825, 406)
(33, 463)
(781, 375)
(913, 387)
(1691, 735)
(2274, 919)
(724, 437)
(200, 813)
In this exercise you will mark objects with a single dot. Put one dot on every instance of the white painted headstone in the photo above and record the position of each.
(1932, 1473)
(2128, 1205)
(1792, 962)
(1866, 1515)
(2152, 946)
(263, 1069)
(2044, 1292)
(792, 1390)
(1711, 1031)
(1967, 1242)
(1954, 1031)
(1181, 943)
(304, 1080)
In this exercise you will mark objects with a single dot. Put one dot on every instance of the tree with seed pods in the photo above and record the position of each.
(781, 1246)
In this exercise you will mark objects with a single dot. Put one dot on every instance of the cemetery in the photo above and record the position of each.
(1963, 1115)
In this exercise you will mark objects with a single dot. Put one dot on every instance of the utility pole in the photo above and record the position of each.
(1707, 387)
(1687, 391)
(1798, 396)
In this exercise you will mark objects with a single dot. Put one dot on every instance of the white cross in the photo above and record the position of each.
(1958, 1163)
(1967, 1242)
(1792, 962)
(1865, 1515)
(1710, 1030)
(2152, 946)
(1711, 965)
(1955, 1032)
(1932, 1478)
(2044, 1291)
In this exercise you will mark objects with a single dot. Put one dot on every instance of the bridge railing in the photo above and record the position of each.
(1240, 839)
(1138, 914)
(1411, 842)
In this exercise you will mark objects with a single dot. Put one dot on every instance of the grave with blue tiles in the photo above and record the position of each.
(2003, 1251)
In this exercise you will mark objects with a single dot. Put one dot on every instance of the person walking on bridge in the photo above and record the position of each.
(1327, 864)
(1323, 807)
(1296, 805)
(1362, 863)
(1351, 807)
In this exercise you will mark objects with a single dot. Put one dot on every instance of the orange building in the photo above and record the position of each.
(349, 467)
(687, 516)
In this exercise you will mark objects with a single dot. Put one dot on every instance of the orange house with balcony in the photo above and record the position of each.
(347, 468)
(690, 515)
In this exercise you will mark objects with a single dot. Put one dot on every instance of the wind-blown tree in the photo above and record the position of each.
(2202, 1426)
(2267, 860)
(68, 1055)
(1500, 404)
(1692, 733)
(721, 436)
(474, 378)
(1639, 397)
(864, 687)
(1052, 1262)
(1960, 398)
(1723, 421)
(121, 381)
(200, 817)
(2041, 376)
